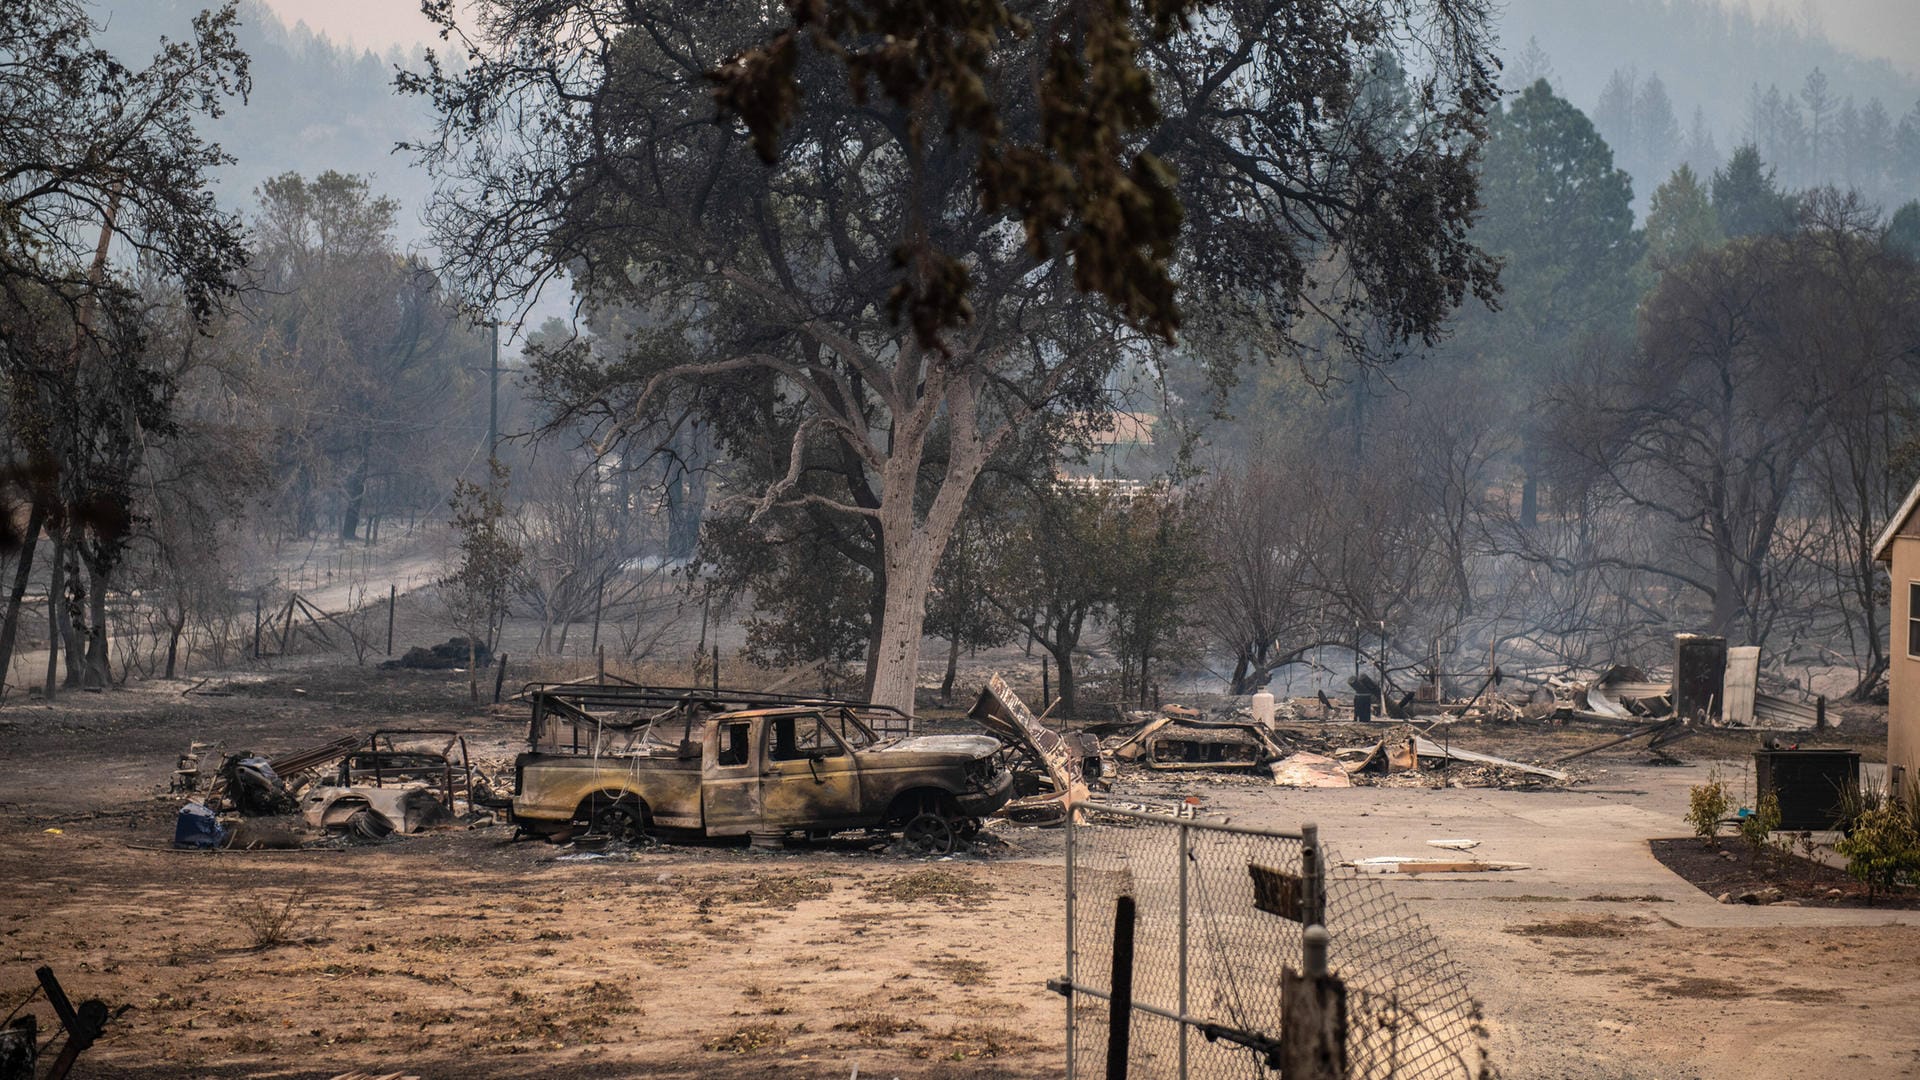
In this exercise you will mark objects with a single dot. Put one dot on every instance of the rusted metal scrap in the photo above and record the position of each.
(1062, 760)
(1392, 755)
(1623, 692)
(373, 812)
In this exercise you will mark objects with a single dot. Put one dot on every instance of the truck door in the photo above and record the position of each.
(730, 778)
(812, 779)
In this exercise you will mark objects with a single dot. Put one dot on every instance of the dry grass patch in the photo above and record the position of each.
(1601, 926)
(947, 888)
(974, 1041)
(271, 921)
(878, 1027)
(748, 1039)
(958, 972)
(768, 890)
(1695, 986)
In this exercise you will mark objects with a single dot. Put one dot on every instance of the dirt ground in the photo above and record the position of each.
(463, 954)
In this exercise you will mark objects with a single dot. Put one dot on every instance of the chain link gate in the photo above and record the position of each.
(1219, 913)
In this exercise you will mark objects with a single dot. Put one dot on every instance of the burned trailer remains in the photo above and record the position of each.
(399, 780)
(1181, 738)
(629, 762)
(447, 771)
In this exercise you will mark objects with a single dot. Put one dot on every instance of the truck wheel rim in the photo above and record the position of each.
(930, 833)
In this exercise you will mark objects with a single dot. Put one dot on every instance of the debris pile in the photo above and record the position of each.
(364, 788)
(455, 654)
(1298, 753)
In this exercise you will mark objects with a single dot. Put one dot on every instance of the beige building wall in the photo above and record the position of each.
(1903, 675)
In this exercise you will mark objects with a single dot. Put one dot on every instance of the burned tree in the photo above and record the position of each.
(361, 356)
(97, 154)
(872, 282)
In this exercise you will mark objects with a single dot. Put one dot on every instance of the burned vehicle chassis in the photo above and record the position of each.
(632, 763)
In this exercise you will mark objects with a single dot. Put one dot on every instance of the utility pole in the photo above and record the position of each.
(493, 401)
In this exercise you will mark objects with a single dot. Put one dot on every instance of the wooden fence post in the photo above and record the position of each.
(1120, 1004)
(1313, 1015)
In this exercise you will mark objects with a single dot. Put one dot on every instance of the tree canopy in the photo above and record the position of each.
(906, 286)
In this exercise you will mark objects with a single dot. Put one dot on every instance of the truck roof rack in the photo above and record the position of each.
(665, 697)
(575, 703)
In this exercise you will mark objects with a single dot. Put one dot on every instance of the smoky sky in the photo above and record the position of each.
(1882, 28)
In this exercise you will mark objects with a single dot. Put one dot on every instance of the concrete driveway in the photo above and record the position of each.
(1598, 962)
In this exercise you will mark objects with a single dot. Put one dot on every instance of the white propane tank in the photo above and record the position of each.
(1263, 708)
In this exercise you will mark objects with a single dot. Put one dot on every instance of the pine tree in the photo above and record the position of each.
(1613, 116)
(1656, 132)
(1680, 220)
(1561, 216)
(1906, 146)
(1822, 116)
(1747, 200)
(1903, 232)
(1776, 129)
(1531, 66)
(1873, 151)
(1702, 153)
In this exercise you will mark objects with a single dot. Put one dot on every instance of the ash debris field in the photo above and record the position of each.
(461, 951)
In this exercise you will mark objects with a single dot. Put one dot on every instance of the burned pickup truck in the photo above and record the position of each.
(635, 762)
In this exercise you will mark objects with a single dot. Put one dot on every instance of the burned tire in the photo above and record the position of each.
(929, 834)
(623, 822)
(368, 826)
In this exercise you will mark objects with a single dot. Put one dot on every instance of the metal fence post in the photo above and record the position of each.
(1071, 1073)
(1313, 951)
(1313, 877)
(1185, 840)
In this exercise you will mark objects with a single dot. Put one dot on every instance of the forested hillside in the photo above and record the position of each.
(1668, 81)
(316, 105)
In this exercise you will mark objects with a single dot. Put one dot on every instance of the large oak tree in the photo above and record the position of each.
(916, 230)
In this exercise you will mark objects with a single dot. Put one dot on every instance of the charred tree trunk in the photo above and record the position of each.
(99, 673)
(356, 492)
(303, 517)
(176, 625)
(10, 630)
(953, 668)
(1064, 679)
(1239, 682)
(876, 616)
(73, 610)
(1145, 665)
(56, 590)
(1863, 691)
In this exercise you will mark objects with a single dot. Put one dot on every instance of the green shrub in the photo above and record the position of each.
(1706, 804)
(1856, 802)
(1757, 827)
(1883, 846)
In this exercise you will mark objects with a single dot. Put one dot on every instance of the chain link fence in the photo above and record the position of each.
(1219, 912)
